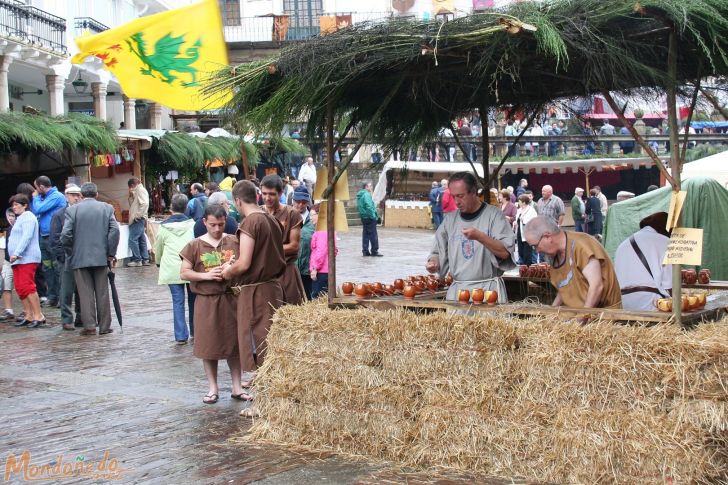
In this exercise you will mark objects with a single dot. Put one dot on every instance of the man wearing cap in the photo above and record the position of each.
(643, 278)
(578, 208)
(302, 203)
(67, 284)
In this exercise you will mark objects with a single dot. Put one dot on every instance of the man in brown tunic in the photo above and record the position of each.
(256, 275)
(216, 329)
(272, 188)
(581, 270)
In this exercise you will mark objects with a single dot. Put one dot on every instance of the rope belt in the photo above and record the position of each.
(237, 289)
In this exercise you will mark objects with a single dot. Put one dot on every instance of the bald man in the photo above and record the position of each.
(581, 270)
(550, 205)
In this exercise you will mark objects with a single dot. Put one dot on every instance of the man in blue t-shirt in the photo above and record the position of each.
(46, 201)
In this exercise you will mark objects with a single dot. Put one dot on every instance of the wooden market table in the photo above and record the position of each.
(713, 285)
(716, 306)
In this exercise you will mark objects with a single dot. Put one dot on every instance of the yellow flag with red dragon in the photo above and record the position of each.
(165, 57)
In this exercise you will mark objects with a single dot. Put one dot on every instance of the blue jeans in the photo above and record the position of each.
(369, 236)
(437, 218)
(49, 268)
(137, 241)
(178, 310)
(320, 285)
(579, 225)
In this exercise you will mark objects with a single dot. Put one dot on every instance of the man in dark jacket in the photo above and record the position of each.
(91, 236)
(58, 252)
(197, 203)
(436, 204)
(217, 198)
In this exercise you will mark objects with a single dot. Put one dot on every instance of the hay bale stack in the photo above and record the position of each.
(535, 398)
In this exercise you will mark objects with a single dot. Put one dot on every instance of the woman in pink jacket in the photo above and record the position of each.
(319, 262)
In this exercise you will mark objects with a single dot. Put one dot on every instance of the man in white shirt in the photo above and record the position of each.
(307, 174)
(603, 204)
(642, 277)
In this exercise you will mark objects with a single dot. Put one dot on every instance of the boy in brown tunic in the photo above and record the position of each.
(256, 275)
(203, 261)
(272, 187)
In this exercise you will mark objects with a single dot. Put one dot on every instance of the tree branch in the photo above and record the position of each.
(650, 152)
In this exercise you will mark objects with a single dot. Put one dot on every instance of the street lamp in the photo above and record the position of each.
(79, 85)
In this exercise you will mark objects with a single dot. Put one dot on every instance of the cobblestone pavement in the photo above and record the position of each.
(137, 395)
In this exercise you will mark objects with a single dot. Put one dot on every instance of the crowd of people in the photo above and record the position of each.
(58, 247)
(227, 279)
(478, 242)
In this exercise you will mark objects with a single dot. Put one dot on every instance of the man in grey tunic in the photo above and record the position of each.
(475, 243)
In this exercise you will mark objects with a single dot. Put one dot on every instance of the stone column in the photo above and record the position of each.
(99, 92)
(55, 84)
(129, 113)
(155, 116)
(4, 87)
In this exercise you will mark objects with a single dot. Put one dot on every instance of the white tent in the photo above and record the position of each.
(714, 166)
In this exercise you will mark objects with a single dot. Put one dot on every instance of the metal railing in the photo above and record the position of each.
(88, 24)
(260, 29)
(31, 24)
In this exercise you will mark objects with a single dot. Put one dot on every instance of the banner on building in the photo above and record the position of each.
(332, 23)
(280, 27)
(483, 4)
(164, 57)
(443, 6)
(402, 6)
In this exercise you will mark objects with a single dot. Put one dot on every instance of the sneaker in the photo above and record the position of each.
(51, 303)
(146, 262)
(43, 300)
(7, 315)
(20, 317)
(378, 255)
(134, 264)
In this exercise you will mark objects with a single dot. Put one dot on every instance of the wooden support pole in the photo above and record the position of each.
(674, 161)
(331, 203)
(693, 101)
(244, 156)
(485, 140)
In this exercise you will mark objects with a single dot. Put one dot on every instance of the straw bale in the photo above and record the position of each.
(536, 398)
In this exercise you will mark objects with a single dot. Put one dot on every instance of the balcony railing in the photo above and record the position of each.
(87, 24)
(260, 29)
(33, 25)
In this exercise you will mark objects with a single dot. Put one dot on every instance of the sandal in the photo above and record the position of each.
(210, 399)
(243, 396)
(251, 412)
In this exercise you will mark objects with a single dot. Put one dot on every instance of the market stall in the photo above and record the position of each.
(405, 185)
(493, 393)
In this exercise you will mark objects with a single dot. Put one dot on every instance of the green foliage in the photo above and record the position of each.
(39, 133)
(488, 59)
(701, 151)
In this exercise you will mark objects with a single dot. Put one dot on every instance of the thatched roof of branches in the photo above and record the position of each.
(524, 55)
(40, 133)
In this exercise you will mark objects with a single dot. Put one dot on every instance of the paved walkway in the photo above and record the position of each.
(137, 395)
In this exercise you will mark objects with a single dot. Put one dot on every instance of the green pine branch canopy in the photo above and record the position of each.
(525, 54)
(40, 133)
